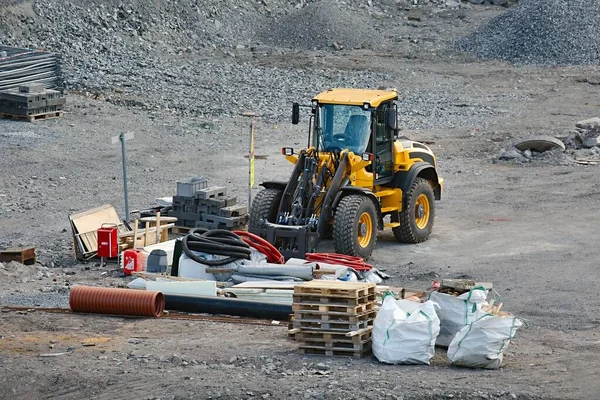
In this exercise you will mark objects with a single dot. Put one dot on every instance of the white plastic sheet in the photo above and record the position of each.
(404, 332)
(457, 312)
(482, 343)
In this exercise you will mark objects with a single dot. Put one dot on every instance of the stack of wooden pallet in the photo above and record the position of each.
(334, 318)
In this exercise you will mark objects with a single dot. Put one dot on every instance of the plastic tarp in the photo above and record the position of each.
(456, 312)
(404, 331)
(481, 344)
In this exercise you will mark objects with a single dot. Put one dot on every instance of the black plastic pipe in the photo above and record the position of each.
(228, 306)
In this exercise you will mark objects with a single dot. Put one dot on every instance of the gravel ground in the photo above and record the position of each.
(540, 32)
(528, 228)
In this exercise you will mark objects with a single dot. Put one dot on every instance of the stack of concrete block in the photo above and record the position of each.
(198, 206)
(31, 100)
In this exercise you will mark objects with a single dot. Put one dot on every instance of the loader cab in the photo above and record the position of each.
(362, 121)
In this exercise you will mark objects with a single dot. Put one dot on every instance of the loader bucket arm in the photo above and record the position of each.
(334, 188)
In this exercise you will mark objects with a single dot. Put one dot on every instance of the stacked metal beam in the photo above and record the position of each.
(25, 66)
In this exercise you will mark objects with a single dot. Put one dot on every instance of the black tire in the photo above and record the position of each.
(264, 206)
(348, 232)
(409, 230)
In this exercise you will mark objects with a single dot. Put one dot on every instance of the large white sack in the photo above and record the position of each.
(481, 344)
(404, 331)
(456, 312)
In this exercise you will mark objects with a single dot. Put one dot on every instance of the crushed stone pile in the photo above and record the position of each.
(321, 25)
(540, 32)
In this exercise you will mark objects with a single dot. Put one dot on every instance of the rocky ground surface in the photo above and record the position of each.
(179, 76)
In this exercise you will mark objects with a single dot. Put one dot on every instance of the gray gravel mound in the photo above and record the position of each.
(318, 26)
(540, 32)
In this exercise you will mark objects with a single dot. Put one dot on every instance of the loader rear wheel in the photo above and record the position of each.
(416, 220)
(264, 207)
(355, 226)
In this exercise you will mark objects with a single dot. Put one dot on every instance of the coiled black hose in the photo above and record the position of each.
(217, 242)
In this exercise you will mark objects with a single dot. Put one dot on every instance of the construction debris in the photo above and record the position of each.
(405, 332)
(457, 311)
(482, 343)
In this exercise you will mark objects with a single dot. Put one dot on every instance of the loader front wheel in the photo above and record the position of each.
(264, 207)
(355, 226)
(416, 220)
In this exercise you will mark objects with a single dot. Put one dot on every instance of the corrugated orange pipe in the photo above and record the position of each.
(141, 303)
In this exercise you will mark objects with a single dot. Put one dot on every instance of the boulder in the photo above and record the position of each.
(591, 123)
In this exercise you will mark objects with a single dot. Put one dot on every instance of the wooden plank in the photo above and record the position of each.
(334, 337)
(332, 308)
(325, 317)
(335, 289)
(310, 298)
(33, 117)
(90, 221)
(335, 352)
(334, 326)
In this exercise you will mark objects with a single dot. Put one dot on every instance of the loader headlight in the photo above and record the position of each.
(287, 151)
(366, 106)
(367, 156)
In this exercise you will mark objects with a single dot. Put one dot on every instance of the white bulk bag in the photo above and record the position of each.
(481, 344)
(404, 332)
(455, 312)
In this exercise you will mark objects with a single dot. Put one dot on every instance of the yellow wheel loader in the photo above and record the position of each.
(355, 177)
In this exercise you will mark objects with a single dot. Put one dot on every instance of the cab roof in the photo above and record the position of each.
(355, 97)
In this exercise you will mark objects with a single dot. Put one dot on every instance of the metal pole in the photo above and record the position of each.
(250, 156)
(250, 115)
(122, 137)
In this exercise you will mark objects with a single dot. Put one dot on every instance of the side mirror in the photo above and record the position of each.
(295, 113)
(391, 119)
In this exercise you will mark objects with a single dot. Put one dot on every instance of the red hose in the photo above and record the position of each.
(260, 244)
(356, 263)
(143, 303)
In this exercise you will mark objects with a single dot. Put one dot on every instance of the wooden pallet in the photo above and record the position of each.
(333, 326)
(31, 118)
(335, 351)
(181, 230)
(332, 308)
(346, 290)
(361, 337)
(326, 317)
(23, 255)
(312, 299)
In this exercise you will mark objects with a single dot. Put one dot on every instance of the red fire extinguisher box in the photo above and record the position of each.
(108, 242)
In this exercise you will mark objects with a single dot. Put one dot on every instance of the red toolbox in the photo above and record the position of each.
(108, 241)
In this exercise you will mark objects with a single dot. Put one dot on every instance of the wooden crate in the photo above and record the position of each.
(24, 255)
